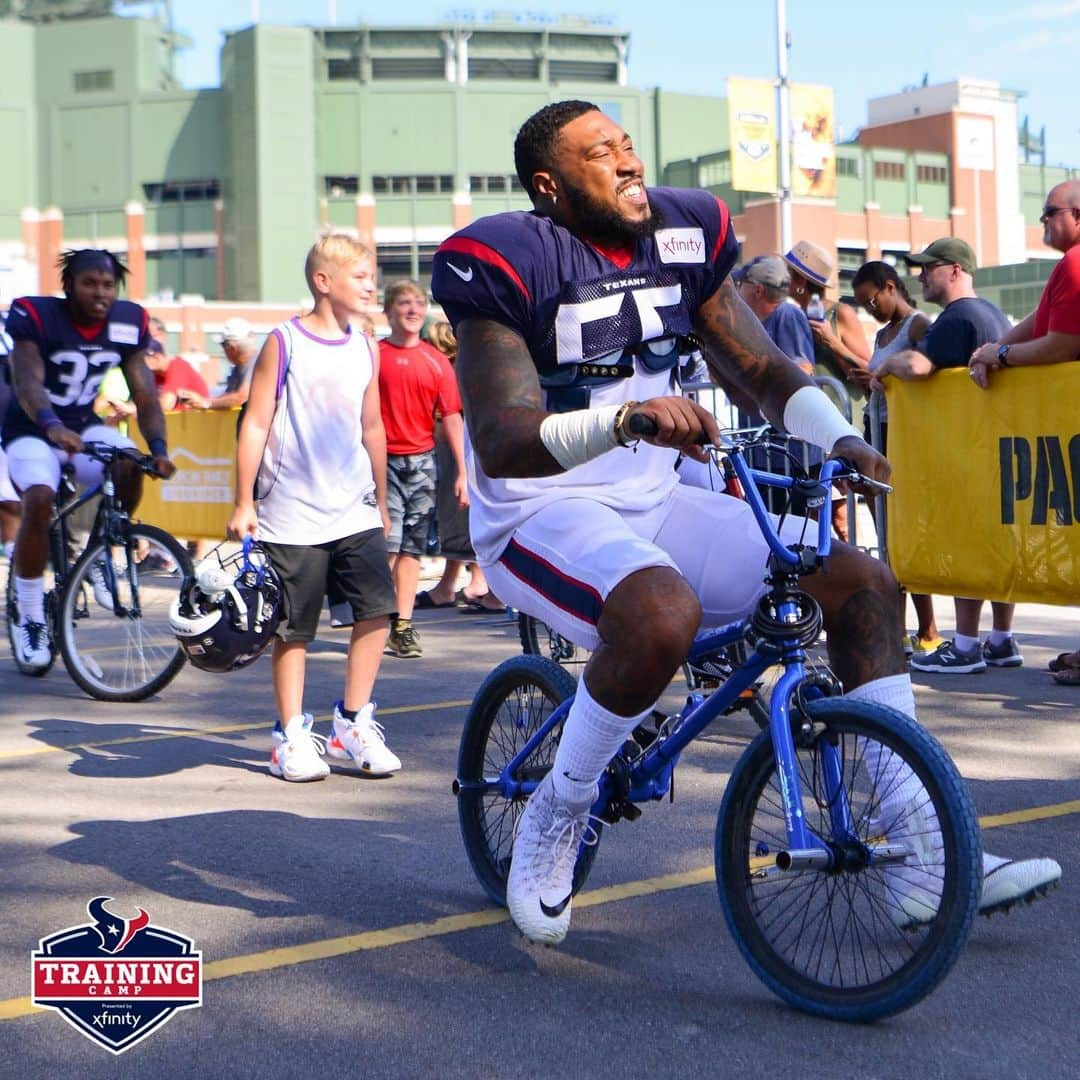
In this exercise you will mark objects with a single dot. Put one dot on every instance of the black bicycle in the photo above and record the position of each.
(107, 608)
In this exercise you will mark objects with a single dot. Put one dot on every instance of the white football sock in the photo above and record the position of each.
(592, 736)
(30, 596)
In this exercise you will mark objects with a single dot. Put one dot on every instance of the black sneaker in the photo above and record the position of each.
(404, 642)
(947, 659)
(1007, 654)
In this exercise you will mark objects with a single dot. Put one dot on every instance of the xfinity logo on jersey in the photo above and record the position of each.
(116, 980)
(123, 333)
(680, 245)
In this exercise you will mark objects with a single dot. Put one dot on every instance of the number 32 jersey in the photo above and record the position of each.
(76, 358)
(602, 327)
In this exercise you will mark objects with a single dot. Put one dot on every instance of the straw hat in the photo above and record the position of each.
(811, 261)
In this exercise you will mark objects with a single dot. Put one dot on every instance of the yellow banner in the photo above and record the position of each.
(813, 143)
(198, 500)
(987, 485)
(752, 128)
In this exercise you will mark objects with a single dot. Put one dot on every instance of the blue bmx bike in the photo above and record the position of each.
(847, 850)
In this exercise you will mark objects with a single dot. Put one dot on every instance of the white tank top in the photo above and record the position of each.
(315, 482)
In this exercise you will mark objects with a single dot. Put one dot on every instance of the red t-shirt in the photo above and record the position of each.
(1059, 305)
(180, 375)
(414, 384)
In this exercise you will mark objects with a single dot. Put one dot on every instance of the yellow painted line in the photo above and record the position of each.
(187, 733)
(14, 1008)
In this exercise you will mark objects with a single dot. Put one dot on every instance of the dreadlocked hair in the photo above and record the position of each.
(536, 139)
(70, 262)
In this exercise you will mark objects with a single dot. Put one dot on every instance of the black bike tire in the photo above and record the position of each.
(65, 622)
(11, 614)
(487, 820)
(945, 935)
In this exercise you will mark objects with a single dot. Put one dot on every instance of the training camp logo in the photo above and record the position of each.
(116, 980)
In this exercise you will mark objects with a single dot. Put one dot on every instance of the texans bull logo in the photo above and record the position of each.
(115, 932)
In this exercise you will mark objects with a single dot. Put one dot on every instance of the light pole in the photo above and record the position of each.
(783, 122)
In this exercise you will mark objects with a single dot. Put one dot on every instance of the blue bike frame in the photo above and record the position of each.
(650, 774)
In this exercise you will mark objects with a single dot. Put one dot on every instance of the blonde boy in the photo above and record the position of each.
(311, 483)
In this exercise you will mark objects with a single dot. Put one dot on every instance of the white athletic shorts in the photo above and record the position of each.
(562, 563)
(34, 461)
(7, 492)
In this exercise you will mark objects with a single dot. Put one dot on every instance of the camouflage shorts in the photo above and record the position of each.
(410, 500)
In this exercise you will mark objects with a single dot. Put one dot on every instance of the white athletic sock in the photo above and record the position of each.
(894, 779)
(999, 637)
(30, 596)
(963, 643)
(591, 737)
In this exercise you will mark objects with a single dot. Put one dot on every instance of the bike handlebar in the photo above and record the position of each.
(106, 453)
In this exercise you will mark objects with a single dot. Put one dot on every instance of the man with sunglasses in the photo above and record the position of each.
(946, 273)
(1051, 333)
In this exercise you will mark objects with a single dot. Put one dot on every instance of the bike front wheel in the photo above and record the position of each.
(113, 620)
(512, 704)
(875, 932)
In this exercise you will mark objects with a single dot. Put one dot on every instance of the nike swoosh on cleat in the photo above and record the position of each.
(465, 275)
(557, 910)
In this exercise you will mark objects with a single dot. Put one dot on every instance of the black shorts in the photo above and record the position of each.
(354, 571)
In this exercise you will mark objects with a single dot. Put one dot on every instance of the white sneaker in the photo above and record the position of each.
(362, 741)
(102, 593)
(1007, 882)
(547, 839)
(296, 750)
(32, 643)
(913, 888)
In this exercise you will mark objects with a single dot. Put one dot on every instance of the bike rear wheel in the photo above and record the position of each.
(11, 611)
(127, 653)
(538, 639)
(511, 705)
(872, 937)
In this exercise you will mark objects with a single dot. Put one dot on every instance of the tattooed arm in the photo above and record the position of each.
(741, 355)
(148, 410)
(503, 400)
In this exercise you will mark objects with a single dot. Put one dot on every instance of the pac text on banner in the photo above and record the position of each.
(987, 485)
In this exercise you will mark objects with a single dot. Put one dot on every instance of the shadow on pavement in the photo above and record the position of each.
(141, 750)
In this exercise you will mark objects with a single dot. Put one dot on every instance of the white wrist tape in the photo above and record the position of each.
(809, 415)
(572, 438)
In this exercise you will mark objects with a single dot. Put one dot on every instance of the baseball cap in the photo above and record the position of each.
(813, 262)
(235, 329)
(764, 270)
(949, 249)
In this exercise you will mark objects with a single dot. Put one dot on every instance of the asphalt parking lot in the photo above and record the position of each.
(344, 935)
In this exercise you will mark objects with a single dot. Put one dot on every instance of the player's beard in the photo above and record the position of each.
(607, 226)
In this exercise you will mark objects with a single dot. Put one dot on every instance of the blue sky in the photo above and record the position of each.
(862, 50)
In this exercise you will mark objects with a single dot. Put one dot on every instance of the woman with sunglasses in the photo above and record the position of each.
(879, 289)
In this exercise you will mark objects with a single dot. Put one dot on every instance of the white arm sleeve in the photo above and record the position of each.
(809, 415)
(572, 438)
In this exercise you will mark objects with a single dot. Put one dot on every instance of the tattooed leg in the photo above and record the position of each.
(863, 609)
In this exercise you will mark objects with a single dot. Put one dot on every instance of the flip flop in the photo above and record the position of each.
(1067, 677)
(477, 606)
(1060, 662)
(423, 600)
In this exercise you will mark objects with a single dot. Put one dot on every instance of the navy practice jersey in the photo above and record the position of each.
(601, 327)
(576, 305)
(76, 358)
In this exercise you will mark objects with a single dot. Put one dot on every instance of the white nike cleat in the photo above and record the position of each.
(547, 840)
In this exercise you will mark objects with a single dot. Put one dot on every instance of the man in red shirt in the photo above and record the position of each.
(1051, 333)
(172, 375)
(415, 382)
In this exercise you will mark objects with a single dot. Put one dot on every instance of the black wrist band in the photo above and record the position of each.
(46, 419)
(158, 447)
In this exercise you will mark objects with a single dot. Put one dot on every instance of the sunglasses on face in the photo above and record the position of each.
(1049, 211)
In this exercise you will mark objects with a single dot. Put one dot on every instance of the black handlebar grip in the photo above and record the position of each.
(642, 425)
